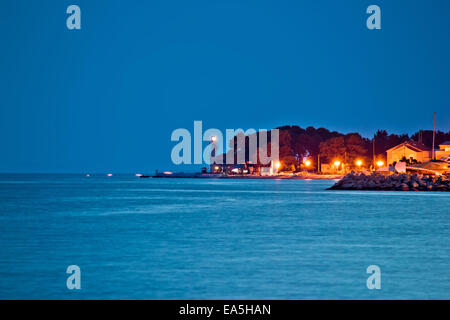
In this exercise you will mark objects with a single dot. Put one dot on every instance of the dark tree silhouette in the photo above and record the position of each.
(297, 143)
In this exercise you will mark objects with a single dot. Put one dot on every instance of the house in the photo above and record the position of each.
(410, 150)
(443, 151)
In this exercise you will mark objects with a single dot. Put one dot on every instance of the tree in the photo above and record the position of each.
(297, 144)
(355, 148)
(346, 149)
(427, 137)
(333, 148)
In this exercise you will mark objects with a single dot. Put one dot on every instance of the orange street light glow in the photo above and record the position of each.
(380, 163)
(109, 174)
(278, 165)
(307, 163)
(359, 163)
(337, 163)
(138, 174)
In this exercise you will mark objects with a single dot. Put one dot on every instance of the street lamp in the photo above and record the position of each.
(380, 163)
(337, 163)
(213, 152)
(359, 163)
(277, 165)
(307, 163)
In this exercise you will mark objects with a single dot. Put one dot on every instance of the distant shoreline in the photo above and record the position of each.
(221, 176)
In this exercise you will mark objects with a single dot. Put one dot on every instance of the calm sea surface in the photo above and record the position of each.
(218, 239)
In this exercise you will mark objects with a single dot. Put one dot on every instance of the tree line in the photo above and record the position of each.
(298, 144)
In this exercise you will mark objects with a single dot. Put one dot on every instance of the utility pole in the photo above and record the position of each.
(433, 153)
(318, 162)
(373, 152)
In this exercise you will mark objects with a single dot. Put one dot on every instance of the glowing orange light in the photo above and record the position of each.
(380, 163)
(307, 163)
(167, 172)
(109, 174)
(216, 167)
(278, 165)
(138, 175)
(337, 163)
(359, 163)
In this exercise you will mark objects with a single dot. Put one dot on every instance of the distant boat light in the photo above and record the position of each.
(109, 174)
(167, 172)
(138, 175)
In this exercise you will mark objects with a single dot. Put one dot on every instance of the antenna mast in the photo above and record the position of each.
(434, 134)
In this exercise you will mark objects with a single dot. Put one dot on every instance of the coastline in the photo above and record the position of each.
(310, 176)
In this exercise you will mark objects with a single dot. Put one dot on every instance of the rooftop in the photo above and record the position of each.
(413, 145)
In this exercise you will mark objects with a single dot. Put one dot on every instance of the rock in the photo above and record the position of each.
(404, 182)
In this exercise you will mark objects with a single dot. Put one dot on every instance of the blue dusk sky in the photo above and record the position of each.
(106, 98)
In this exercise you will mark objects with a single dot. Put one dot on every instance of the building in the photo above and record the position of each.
(329, 168)
(417, 151)
(443, 151)
(410, 150)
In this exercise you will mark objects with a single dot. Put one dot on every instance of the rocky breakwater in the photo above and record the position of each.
(398, 182)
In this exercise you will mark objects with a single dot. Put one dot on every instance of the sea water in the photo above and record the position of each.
(218, 239)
